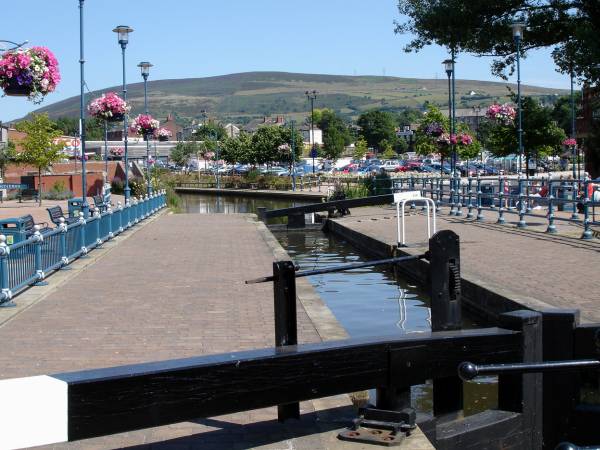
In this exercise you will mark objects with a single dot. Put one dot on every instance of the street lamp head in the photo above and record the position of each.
(448, 66)
(311, 94)
(517, 29)
(145, 68)
(123, 34)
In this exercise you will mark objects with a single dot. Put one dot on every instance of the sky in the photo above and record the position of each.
(199, 38)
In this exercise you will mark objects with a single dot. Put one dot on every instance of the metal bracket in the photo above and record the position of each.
(380, 427)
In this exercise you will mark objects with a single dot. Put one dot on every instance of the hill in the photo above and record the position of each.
(241, 97)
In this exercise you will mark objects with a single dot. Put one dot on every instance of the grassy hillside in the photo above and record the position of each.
(242, 97)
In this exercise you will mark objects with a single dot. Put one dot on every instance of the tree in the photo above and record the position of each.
(268, 144)
(571, 27)
(209, 131)
(431, 126)
(541, 134)
(561, 113)
(360, 149)
(377, 126)
(387, 149)
(7, 156)
(335, 133)
(69, 126)
(38, 147)
(183, 151)
(237, 149)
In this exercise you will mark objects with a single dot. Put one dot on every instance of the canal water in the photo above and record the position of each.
(367, 302)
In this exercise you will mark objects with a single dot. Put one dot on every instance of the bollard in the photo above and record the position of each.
(574, 215)
(5, 293)
(522, 208)
(286, 328)
(446, 314)
(501, 183)
(412, 188)
(451, 187)
(63, 243)
(480, 217)
(438, 189)
(587, 232)
(39, 269)
(83, 223)
(120, 224)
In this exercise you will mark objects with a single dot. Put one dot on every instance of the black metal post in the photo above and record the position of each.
(286, 329)
(84, 205)
(523, 392)
(444, 266)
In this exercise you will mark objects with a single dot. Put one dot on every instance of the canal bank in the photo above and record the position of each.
(313, 196)
(502, 269)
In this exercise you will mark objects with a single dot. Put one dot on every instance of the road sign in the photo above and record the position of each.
(410, 195)
(314, 153)
(12, 186)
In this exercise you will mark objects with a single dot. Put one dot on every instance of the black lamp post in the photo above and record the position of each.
(574, 214)
(517, 31)
(123, 38)
(449, 68)
(145, 70)
(84, 206)
(312, 95)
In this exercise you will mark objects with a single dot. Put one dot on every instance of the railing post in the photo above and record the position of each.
(110, 213)
(459, 193)
(261, 213)
(83, 223)
(63, 243)
(5, 293)
(560, 389)
(522, 207)
(523, 393)
(412, 188)
(470, 190)
(438, 190)
(551, 227)
(446, 314)
(587, 232)
(39, 269)
(480, 217)
(97, 228)
(501, 184)
(120, 208)
(286, 329)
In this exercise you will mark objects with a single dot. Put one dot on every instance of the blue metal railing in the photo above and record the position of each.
(504, 195)
(30, 261)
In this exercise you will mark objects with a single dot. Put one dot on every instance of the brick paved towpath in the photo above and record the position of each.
(529, 266)
(175, 289)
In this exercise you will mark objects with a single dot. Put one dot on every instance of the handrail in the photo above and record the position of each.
(29, 261)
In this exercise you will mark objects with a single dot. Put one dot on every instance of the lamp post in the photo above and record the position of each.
(123, 39)
(312, 95)
(292, 123)
(517, 31)
(215, 137)
(84, 206)
(449, 67)
(145, 70)
(574, 214)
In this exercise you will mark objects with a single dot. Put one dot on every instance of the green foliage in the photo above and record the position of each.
(117, 186)
(476, 26)
(335, 133)
(561, 113)
(210, 131)
(425, 144)
(267, 142)
(377, 126)
(69, 126)
(38, 149)
(138, 187)
(7, 156)
(183, 151)
(237, 149)
(360, 149)
(173, 200)
(541, 135)
(387, 149)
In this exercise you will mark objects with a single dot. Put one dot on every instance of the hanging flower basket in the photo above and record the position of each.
(14, 89)
(163, 134)
(31, 72)
(504, 114)
(570, 142)
(144, 125)
(109, 107)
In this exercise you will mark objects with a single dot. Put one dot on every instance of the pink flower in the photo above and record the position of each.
(570, 142)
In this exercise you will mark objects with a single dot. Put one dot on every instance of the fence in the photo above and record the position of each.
(29, 262)
(503, 195)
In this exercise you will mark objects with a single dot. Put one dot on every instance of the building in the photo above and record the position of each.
(470, 116)
(255, 124)
(588, 129)
(232, 130)
(311, 137)
(176, 130)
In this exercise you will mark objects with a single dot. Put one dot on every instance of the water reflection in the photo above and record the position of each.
(367, 301)
(211, 204)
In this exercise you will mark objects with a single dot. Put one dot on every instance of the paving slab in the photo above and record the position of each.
(175, 289)
(539, 269)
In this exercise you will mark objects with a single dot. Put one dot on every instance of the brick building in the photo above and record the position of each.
(588, 129)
